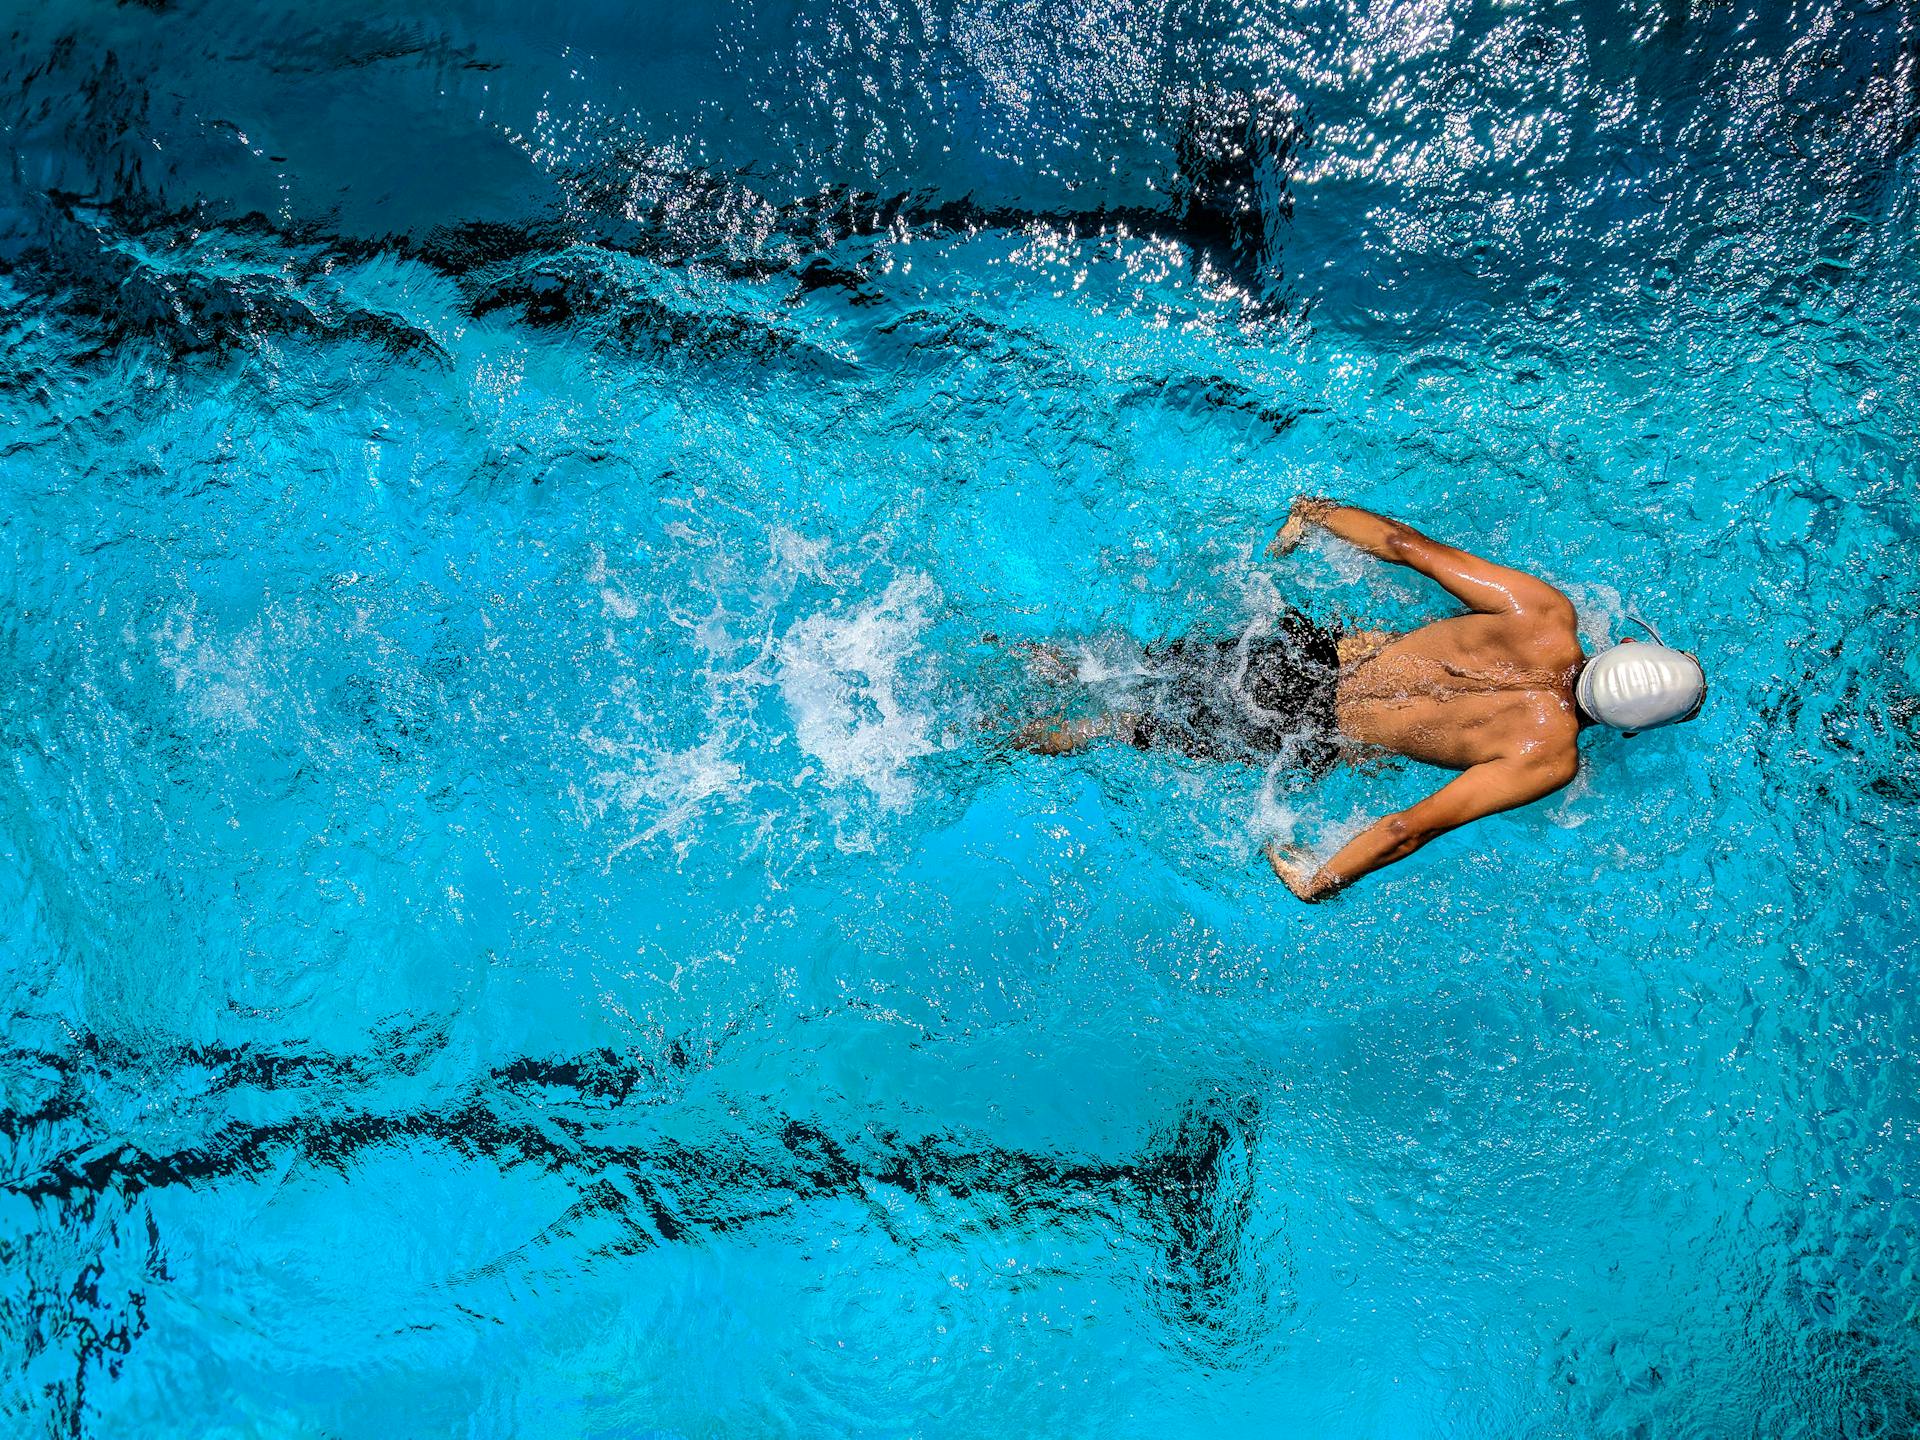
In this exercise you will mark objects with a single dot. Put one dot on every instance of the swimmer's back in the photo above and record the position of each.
(1465, 690)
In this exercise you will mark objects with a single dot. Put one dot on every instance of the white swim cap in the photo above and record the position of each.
(1639, 686)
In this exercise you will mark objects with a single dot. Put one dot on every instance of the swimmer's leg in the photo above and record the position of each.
(1044, 659)
(1047, 662)
(1059, 736)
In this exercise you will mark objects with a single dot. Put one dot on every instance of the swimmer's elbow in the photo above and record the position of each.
(1555, 773)
(1405, 834)
(1556, 608)
(1403, 543)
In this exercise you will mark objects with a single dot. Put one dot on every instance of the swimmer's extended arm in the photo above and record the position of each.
(1484, 790)
(1478, 584)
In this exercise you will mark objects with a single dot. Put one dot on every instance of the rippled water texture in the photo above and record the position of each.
(515, 918)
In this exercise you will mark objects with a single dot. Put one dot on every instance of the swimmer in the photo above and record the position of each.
(1499, 694)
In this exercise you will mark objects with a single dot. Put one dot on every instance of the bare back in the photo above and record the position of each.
(1465, 690)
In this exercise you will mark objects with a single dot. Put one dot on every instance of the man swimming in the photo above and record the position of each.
(1499, 694)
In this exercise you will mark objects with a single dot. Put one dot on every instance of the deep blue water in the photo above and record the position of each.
(515, 917)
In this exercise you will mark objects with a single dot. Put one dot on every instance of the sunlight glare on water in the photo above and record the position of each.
(520, 527)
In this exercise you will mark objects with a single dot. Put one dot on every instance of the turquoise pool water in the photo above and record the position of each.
(516, 920)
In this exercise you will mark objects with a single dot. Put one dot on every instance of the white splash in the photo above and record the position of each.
(1107, 661)
(795, 555)
(1350, 564)
(614, 597)
(219, 677)
(1273, 819)
(840, 675)
(667, 787)
(1598, 608)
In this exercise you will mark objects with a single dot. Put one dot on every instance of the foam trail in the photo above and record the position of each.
(840, 676)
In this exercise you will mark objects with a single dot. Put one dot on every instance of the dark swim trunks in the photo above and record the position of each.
(1255, 699)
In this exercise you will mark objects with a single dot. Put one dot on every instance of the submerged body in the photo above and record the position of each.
(1493, 694)
(1258, 697)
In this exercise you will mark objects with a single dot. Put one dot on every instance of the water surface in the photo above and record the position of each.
(514, 918)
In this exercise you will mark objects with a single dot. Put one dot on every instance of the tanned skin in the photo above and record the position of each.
(1489, 694)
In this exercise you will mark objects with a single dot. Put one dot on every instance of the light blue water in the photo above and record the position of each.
(513, 920)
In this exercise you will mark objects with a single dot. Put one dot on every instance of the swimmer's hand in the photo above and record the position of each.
(1294, 865)
(1307, 510)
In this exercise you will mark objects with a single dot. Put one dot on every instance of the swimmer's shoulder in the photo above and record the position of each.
(1547, 745)
(1548, 638)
